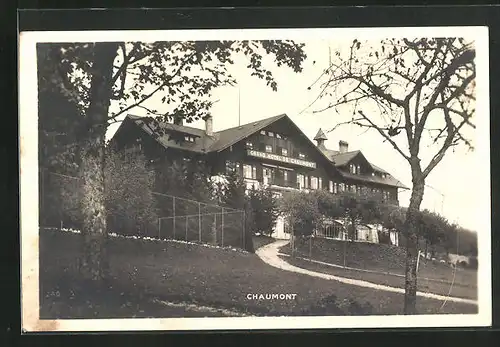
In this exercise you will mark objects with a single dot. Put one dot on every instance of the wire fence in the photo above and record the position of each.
(168, 217)
(195, 221)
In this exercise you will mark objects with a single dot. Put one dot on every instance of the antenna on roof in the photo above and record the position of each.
(239, 105)
(329, 56)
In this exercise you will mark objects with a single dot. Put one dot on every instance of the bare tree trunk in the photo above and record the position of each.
(94, 262)
(412, 243)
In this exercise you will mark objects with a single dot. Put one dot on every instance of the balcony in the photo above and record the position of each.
(280, 183)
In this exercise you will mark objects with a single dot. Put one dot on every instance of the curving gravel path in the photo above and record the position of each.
(269, 255)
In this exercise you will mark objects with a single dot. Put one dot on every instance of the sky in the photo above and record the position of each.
(448, 190)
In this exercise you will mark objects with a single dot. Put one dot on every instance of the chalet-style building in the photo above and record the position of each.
(272, 152)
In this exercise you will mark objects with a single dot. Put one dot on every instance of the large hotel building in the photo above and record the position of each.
(271, 152)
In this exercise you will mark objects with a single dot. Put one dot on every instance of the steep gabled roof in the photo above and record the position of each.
(170, 126)
(378, 168)
(164, 139)
(388, 180)
(342, 159)
(228, 137)
(216, 143)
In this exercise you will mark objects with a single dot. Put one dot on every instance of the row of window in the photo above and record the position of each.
(303, 181)
(272, 134)
(356, 170)
(269, 149)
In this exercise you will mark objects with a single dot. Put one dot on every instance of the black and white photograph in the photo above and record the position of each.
(255, 179)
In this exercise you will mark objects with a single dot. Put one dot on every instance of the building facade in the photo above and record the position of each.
(271, 152)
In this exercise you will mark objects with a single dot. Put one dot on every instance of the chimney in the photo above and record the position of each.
(209, 125)
(320, 138)
(343, 146)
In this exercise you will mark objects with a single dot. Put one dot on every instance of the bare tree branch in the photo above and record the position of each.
(387, 137)
(452, 131)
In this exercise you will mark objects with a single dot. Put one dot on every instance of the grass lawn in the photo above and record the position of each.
(176, 272)
(385, 258)
(424, 285)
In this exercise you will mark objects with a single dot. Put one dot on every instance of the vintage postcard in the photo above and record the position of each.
(255, 179)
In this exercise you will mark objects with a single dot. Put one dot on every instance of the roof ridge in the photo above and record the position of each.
(250, 123)
(134, 117)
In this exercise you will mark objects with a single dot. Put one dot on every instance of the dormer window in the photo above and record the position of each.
(270, 133)
(278, 136)
(249, 144)
(263, 132)
(352, 168)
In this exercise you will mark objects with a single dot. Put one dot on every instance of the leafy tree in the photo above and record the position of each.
(393, 218)
(58, 117)
(236, 198)
(432, 228)
(264, 206)
(424, 90)
(130, 204)
(234, 192)
(361, 208)
(460, 240)
(181, 75)
(328, 204)
(302, 210)
(199, 185)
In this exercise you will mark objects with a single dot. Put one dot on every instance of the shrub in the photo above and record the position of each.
(129, 200)
(264, 210)
(473, 264)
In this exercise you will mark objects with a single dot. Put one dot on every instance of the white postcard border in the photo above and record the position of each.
(28, 144)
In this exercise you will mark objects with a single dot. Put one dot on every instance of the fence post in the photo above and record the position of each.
(199, 221)
(243, 228)
(418, 261)
(186, 228)
(345, 245)
(173, 221)
(310, 247)
(215, 229)
(222, 228)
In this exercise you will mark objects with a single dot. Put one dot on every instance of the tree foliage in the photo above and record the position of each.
(179, 75)
(264, 206)
(58, 118)
(130, 204)
(364, 208)
(235, 197)
(302, 211)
